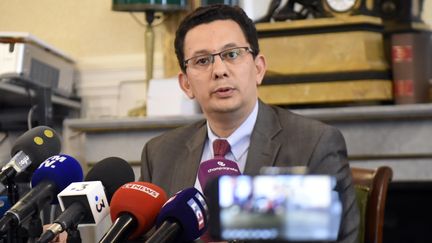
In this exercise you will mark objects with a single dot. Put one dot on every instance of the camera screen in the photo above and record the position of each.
(283, 207)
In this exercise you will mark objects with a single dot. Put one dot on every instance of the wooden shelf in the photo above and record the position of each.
(14, 95)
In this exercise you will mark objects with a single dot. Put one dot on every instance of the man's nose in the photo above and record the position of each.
(219, 67)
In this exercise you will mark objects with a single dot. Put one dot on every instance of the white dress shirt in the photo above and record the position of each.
(239, 141)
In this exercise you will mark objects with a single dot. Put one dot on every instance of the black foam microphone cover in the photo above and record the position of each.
(113, 172)
(39, 143)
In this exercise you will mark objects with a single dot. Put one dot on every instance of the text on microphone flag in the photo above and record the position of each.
(99, 204)
(51, 161)
(142, 188)
(20, 160)
(202, 201)
(79, 186)
(198, 213)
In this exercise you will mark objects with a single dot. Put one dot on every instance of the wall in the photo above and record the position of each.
(81, 28)
(427, 12)
(108, 46)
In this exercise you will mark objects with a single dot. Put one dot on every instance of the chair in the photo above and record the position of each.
(371, 188)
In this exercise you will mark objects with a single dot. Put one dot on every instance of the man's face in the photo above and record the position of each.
(224, 87)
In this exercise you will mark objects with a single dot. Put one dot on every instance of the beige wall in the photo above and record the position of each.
(108, 46)
(81, 28)
(427, 12)
(86, 28)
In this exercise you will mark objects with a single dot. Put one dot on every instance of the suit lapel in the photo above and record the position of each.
(186, 170)
(263, 147)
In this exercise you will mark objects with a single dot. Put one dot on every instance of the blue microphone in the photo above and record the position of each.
(49, 179)
(183, 218)
(4, 204)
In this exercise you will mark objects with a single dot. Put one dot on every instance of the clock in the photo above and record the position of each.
(341, 6)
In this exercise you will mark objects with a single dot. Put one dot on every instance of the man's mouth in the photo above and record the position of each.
(221, 90)
(225, 91)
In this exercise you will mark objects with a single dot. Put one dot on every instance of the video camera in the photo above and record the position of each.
(269, 207)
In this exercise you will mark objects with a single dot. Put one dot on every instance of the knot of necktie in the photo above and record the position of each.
(220, 148)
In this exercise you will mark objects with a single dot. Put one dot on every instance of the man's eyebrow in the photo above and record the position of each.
(200, 52)
(206, 52)
(229, 45)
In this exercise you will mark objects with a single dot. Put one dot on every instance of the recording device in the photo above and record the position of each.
(274, 207)
(183, 218)
(134, 208)
(52, 176)
(29, 150)
(86, 203)
(26, 56)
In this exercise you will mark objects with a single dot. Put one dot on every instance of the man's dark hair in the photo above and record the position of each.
(207, 14)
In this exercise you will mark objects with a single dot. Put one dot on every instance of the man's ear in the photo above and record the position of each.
(185, 85)
(261, 67)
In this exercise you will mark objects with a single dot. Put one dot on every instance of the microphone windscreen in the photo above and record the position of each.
(113, 172)
(213, 168)
(143, 200)
(60, 169)
(188, 208)
(38, 143)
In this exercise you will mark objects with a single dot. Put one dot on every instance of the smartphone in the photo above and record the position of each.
(293, 208)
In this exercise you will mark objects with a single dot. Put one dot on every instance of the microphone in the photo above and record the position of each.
(134, 208)
(52, 176)
(86, 203)
(216, 167)
(183, 218)
(29, 150)
(4, 204)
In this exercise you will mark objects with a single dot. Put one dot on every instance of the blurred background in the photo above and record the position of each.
(364, 66)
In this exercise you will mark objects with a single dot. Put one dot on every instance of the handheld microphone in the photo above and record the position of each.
(52, 176)
(86, 203)
(216, 167)
(29, 150)
(134, 208)
(183, 218)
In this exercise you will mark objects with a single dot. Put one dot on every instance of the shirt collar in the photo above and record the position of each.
(240, 138)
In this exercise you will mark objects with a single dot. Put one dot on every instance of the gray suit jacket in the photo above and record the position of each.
(279, 138)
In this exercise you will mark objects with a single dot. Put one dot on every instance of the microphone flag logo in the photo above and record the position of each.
(79, 187)
(212, 168)
(198, 213)
(100, 204)
(51, 161)
(141, 188)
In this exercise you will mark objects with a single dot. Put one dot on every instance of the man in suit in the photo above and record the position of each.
(221, 67)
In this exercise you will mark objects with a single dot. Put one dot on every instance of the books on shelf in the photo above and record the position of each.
(412, 66)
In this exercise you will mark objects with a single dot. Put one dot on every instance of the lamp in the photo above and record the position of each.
(149, 7)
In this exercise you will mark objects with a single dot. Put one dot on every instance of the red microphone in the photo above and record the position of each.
(134, 208)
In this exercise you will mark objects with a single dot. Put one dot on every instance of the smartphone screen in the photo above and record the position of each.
(276, 207)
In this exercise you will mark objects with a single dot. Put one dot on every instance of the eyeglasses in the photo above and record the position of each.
(203, 62)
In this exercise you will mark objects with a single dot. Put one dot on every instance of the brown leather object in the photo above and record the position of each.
(376, 181)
